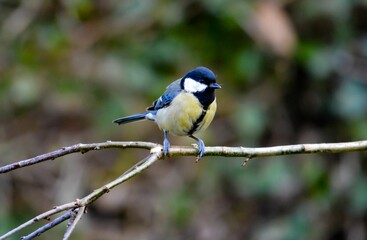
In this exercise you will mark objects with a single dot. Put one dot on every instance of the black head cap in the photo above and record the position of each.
(202, 74)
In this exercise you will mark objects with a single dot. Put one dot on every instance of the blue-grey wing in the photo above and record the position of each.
(171, 92)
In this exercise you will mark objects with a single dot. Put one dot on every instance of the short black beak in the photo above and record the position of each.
(215, 86)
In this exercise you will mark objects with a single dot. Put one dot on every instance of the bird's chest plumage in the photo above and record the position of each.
(185, 115)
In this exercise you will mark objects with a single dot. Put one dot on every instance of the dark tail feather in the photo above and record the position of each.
(132, 118)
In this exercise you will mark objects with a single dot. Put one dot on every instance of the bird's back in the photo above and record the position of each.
(171, 92)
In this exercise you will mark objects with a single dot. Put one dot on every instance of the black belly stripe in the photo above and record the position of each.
(196, 124)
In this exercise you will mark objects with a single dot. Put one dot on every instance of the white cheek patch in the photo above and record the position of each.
(192, 86)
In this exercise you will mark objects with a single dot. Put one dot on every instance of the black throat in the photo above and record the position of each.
(206, 97)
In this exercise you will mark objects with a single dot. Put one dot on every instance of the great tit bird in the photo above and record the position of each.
(186, 107)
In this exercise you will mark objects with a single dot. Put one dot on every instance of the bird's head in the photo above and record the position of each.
(199, 80)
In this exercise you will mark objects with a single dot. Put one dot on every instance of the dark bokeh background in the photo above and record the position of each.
(292, 72)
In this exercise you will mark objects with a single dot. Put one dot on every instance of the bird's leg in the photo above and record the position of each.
(166, 144)
(201, 146)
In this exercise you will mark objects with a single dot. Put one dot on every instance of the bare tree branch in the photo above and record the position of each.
(82, 148)
(273, 151)
(87, 200)
(191, 151)
(44, 215)
(155, 154)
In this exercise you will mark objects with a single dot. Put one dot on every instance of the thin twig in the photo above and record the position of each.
(48, 226)
(136, 169)
(73, 221)
(247, 159)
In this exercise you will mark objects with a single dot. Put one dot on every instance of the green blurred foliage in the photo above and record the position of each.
(292, 72)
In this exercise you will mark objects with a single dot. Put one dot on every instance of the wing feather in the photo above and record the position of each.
(171, 92)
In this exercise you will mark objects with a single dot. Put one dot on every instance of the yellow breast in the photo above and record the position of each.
(179, 117)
